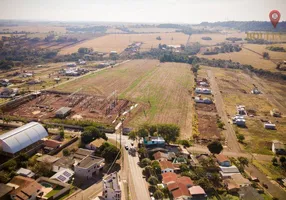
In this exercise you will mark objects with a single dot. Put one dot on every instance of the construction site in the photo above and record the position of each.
(54, 104)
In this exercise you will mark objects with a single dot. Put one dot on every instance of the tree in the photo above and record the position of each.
(158, 194)
(66, 152)
(145, 162)
(4, 176)
(265, 55)
(147, 171)
(240, 138)
(274, 161)
(132, 135)
(215, 147)
(152, 188)
(169, 132)
(142, 133)
(110, 153)
(91, 133)
(243, 161)
(282, 159)
(156, 167)
(143, 153)
(153, 180)
(62, 132)
(184, 167)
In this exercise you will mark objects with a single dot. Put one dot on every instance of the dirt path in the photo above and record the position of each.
(230, 137)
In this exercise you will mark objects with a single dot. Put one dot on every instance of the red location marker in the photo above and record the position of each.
(274, 16)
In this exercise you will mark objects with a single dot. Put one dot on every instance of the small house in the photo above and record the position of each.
(278, 147)
(25, 172)
(166, 166)
(197, 192)
(95, 144)
(241, 110)
(8, 92)
(154, 141)
(223, 160)
(63, 176)
(63, 112)
(4, 82)
(72, 64)
(203, 91)
(160, 156)
(227, 172)
(113, 53)
(51, 144)
(88, 166)
(270, 126)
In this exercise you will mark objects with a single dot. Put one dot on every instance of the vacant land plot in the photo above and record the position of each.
(208, 127)
(34, 28)
(259, 48)
(235, 87)
(118, 42)
(245, 57)
(114, 79)
(152, 30)
(161, 89)
(87, 107)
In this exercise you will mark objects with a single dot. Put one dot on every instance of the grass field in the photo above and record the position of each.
(153, 30)
(118, 42)
(262, 48)
(235, 87)
(165, 86)
(245, 57)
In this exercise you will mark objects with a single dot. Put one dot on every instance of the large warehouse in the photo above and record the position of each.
(22, 137)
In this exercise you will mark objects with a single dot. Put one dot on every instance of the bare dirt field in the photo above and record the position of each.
(206, 107)
(162, 90)
(207, 127)
(34, 28)
(86, 107)
(118, 42)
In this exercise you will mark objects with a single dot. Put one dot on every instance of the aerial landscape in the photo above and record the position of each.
(140, 100)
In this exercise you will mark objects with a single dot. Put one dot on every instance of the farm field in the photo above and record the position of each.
(162, 90)
(235, 87)
(34, 28)
(245, 57)
(153, 30)
(118, 42)
(262, 48)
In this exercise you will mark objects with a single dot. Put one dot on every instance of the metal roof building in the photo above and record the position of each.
(22, 137)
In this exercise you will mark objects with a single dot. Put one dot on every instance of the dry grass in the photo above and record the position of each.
(153, 30)
(245, 57)
(118, 42)
(262, 48)
(34, 28)
(165, 86)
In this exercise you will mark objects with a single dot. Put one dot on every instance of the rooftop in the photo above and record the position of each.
(52, 143)
(4, 189)
(98, 142)
(166, 164)
(221, 158)
(65, 162)
(181, 191)
(63, 175)
(278, 145)
(169, 177)
(89, 161)
(197, 190)
(47, 159)
(82, 153)
(158, 155)
(240, 180)
(25, 172)
(63, 110)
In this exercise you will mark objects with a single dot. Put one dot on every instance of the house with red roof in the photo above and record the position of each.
(166, 166)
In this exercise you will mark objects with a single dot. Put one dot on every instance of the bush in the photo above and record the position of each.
(185, 143)
(66, 152)
(145, 162)
(240, 138)
(153, 180)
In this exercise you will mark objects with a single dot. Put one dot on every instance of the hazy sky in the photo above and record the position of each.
(169, 11)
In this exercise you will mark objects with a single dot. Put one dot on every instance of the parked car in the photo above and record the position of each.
(126, 147)
(264, 185)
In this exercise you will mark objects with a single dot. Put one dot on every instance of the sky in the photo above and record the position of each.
(151, 11)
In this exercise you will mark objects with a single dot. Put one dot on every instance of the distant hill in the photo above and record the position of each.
(248, 26)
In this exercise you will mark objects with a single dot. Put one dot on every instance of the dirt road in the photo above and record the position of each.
(230, 137)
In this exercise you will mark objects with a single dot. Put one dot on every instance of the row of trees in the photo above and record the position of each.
(275, 48)
(169, 132)
(224, 48)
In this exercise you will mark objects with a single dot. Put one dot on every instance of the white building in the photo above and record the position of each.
(22, 137)
(203, 91)
(88, 166)
(278, 147)
(111, 189)
(63, 176)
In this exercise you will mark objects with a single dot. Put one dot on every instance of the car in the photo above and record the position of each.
(264, 185)
(126, 147)
(132, 144)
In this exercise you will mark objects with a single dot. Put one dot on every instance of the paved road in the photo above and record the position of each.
(273, 189)
(230, 136)
(138, 184)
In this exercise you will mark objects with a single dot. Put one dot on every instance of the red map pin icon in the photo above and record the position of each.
(274, 16)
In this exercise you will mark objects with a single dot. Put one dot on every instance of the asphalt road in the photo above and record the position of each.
(138, 186)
